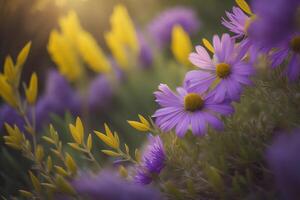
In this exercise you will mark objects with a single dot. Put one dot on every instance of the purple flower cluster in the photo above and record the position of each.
(272, 29)
(284, 161)
(161, 27)
(207, 93)
(57, 98)
(152, 161)
(108, 186)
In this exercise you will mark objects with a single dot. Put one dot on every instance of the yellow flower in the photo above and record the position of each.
(31, 91)
(143, 126)
(91, 53)
(77, 131)
(70, 26)
(123, 26)
(122, 39)
(118, 51)
(64, 55)
(112, 140)
(181, 45)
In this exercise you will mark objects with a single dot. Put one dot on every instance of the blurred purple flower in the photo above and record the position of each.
(152, 162)
(289, 48)
(57, 98)
(108, 186)
(276, 20)
(161, 26)
(100, 93)
(10, 116)
(185, 109)
(283, 159)
(146, 55)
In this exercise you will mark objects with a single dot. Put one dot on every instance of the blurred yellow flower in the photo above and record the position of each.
(7, 92)
(91, 53)
(73, 46)
(64, 55)
(122, 39)
(181, 45)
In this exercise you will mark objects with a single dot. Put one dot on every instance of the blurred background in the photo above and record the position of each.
(99, 98)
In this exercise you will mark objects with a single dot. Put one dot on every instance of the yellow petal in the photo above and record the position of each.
(22, 57)
(138, 126)
(244, 6)
(89, 142)
(74, 134)
(9, 69)
(79, 129)
(144, 120)
(208, 45)
(70, 163)
(31, 91)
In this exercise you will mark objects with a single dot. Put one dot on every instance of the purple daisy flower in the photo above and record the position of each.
(276, 20)
(188, 109)
(152, 162)
(161, 27)
(108, 186)
(237, 22)
(283, 159)
(227, 70)
(288, 49)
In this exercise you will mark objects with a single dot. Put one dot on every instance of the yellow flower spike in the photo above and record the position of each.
(22, 57)
(144, 120)
(77, 131)
(208, 45)
(107, 140)
(31, 91)
(181, 45)
(123, 27)
(9, 70)
(6, 92)
(116, 139)
(91, 53)
(138, 126)
(15, 137)
(63, 54)
(244, 6)
(49, 164)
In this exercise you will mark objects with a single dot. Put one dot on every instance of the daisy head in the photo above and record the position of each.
(239, 20)
(224, 73)
(186, 110)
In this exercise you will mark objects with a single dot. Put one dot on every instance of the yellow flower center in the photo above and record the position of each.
(295, 44)
(249, 22)
(223, 70)
(193, 102)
